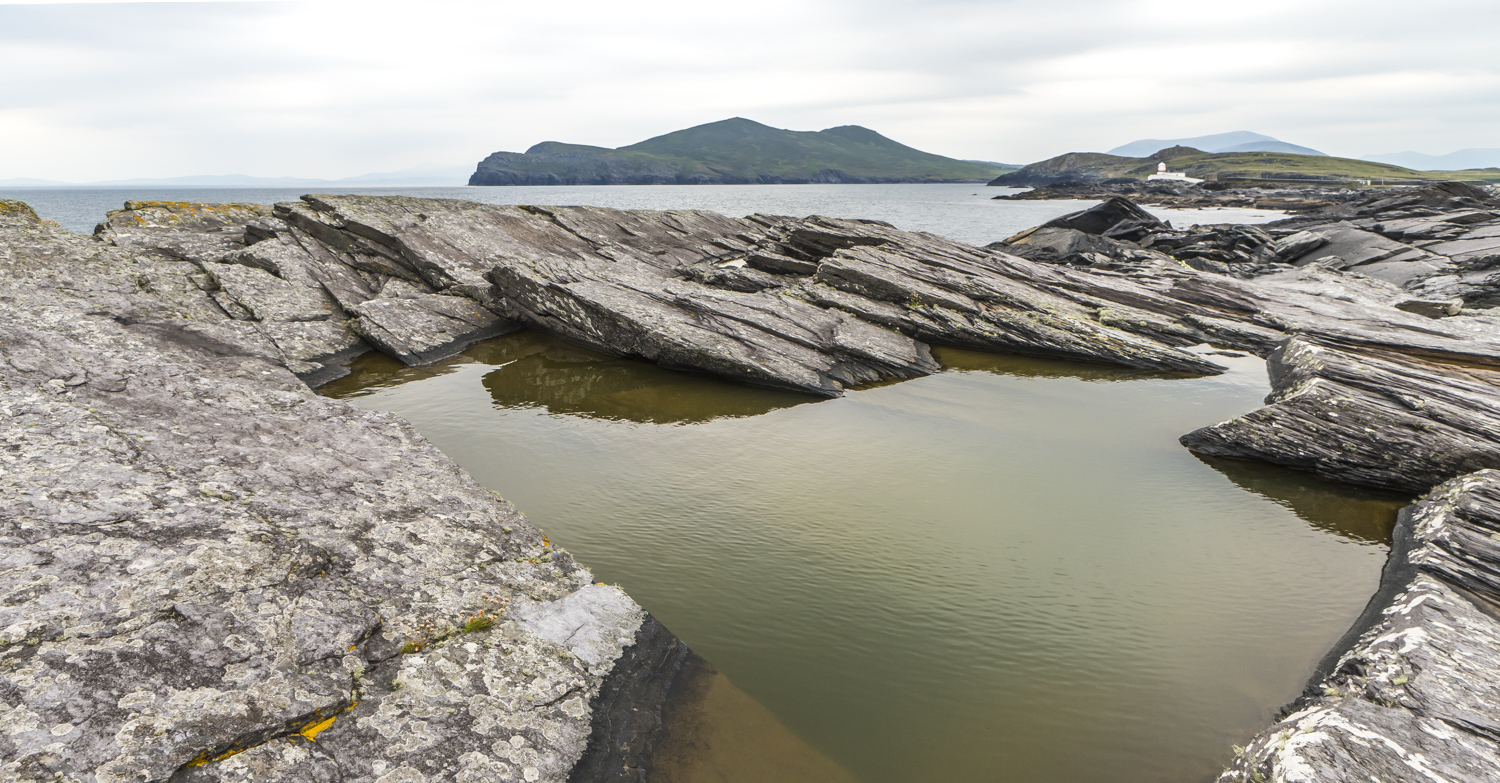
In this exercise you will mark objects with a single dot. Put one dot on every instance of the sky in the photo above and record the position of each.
(336, 88)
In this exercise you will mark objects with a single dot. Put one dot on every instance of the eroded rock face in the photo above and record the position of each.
(814, 305)
(213, 574)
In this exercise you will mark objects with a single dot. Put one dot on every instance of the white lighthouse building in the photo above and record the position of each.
(1174, 176)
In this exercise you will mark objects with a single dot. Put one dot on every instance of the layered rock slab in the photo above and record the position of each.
(1370, 416)
(814, 305)
(211, 573)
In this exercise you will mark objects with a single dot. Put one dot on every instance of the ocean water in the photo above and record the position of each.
(965, 212)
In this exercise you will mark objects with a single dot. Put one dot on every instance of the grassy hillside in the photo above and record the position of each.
(731, 151)
(1085, 166)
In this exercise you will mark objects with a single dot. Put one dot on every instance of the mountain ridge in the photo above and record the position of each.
(732, 151)
(1233, 141)
(1471, 158)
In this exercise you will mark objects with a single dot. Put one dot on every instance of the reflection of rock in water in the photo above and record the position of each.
(965, 360)
(536, 370)
(716, 733)
(1359, 514)
(375, 371)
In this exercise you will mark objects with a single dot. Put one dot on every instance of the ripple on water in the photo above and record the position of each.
(1007, 571)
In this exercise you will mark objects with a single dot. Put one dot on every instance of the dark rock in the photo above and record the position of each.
(630, 708)
(1430, 308)
(1115, 213)
(1369, 416)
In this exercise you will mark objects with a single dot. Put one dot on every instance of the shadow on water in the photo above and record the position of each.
(716, 733)
(534, 370)
(1359, 514)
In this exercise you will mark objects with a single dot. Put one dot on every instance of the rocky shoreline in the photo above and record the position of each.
(1209, 195)
(216, 574)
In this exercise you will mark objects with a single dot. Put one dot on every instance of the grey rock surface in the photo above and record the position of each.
(213, 574)
(1366, 415)
(814, 305)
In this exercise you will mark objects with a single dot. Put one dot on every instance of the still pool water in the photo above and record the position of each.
(1009, 571)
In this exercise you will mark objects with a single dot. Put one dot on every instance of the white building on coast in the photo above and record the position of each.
(1174, 176)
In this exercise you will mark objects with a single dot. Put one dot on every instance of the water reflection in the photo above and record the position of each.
(1358, 514)
(966, 360)
(534, 370)
(1008, 571)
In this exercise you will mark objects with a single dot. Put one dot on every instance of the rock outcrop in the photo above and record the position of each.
(211, 573)
(214, 574)
(1438, 243)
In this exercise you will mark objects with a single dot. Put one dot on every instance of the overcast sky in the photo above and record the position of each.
(331, 89)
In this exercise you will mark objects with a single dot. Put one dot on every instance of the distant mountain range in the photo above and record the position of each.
(408, 177)
(1453, 161)
(731, 151)
(1234, 141)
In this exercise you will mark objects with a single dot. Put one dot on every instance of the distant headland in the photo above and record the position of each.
(733, 151)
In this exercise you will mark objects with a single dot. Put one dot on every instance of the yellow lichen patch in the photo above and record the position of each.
(17, 208)
(204, 758)
(312, 730)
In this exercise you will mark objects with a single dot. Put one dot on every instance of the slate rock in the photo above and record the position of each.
(1430, 308)
(1380, 418)
(425, 328)
(237, 579)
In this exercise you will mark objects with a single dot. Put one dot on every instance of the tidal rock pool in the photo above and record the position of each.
(1007, 571)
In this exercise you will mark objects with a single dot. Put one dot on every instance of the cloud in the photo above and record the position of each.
(330, 89)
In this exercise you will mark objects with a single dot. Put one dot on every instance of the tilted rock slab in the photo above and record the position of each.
(211, 573)
(814, 305)
(1372, 416)
(1364, 391)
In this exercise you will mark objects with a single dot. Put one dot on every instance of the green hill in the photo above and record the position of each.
(731, 151)
(1095, 166)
